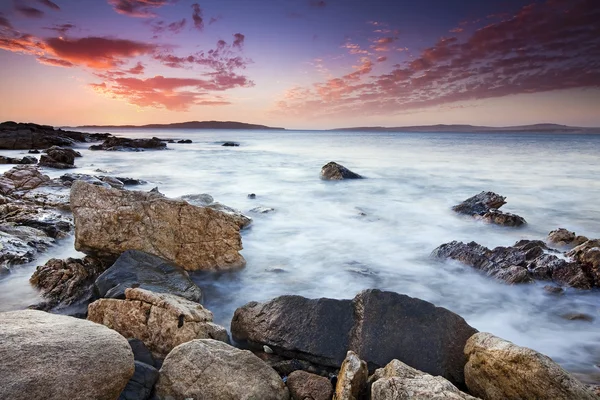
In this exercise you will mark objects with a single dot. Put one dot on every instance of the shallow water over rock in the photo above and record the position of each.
(387, 224)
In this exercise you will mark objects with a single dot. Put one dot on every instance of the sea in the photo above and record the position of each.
(334, 239)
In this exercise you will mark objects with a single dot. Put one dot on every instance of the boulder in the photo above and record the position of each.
(185, 141)
(304, 385)
(378, 326)
(21, 178)
(230, 144)
(333, 171)
(136, 268)
(485, 206)
(524, 262)
(53, 357)
(206, 200)
(58, 157)
(110, 221)
(352, 379)
(588, 255)
(162, 321)
(564, 238)
(66, 283)
(119, 144)
(69, 178)
(497, 369)
(24, 160)
(141, 383)
(209, 369)
(399, 381)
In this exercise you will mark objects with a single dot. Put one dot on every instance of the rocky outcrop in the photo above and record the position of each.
(526, 261)
(124, 144)
(47, 356)
(352, 379)
(563, 238)
(110, 221)
(21, 178)
(497, 369)
(485, 206)
(162, 321)
(206, 200)
(18, 136)
(209, 369)
(304, 385)
(58, 157)
(67, 284)
(333, 171)
(378, 326)
(24, 160)
(399, 381)
(139, 269)
(587, 255)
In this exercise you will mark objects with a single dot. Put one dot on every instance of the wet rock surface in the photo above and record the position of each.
(206, 200)
(530, 260)
(333, 171)
(378, 326)
(162, 321)
(59, 157)
(485, 206)
(136, 268)
(24, 160)
(25, 136)
(110, 221)
(67, 284)
(498, 369)
(47, 356)
(141, 383)
(126, 144)
(209, 369)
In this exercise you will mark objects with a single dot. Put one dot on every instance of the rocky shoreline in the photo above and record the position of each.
(135, 326)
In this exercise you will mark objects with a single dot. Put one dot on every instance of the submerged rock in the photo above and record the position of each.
(262, 210)
(162, 321)
(230, 144)
(524, 262)
(485, 206)
(53, 357)
(136, 268)
(498, 369)
(400, 381)
(333, 171)
(110, 221)
(66, 283)
(208, 369)
(206, 200)
(432, 338)
(58, 157)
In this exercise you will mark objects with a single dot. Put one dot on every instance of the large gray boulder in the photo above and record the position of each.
(52, 357)
(498, 369)
(209, 369)
(110, 221)
(378, 326)
(136, 268)
(162, 321)
(400, 381)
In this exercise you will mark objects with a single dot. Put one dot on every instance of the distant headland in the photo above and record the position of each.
(187, 125)
(535, 128)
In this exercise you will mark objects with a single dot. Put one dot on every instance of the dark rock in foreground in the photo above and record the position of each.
(378, 326)
(67, 283)
(335, 172)
(53, 357)
(141, 383)
(529, 260)
(485, 206)
(58, 157)
(139, 269)
(304, 385)
(120, 144)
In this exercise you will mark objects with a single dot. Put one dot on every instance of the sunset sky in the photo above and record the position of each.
(300, 63)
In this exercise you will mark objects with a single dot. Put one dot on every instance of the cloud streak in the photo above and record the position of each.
(138, 8)
(197, 17)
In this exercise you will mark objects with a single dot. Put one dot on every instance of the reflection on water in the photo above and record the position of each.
(318, 244)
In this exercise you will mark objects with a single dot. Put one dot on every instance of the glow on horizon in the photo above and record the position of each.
(302, 64)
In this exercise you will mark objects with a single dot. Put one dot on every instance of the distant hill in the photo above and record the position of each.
(542, 128)
(187, 125)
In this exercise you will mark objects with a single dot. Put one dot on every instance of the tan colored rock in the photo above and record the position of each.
(352, 379)
(500, 370)
(400, 381)
(21, 178)
(162, 321)
(110, 221)
(209, 369)
(55, 357)
(306, 386)
(560, 237)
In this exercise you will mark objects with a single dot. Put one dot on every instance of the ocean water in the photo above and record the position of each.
(316, 243)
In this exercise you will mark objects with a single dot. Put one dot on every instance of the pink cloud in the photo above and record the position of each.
(61, 29)
(54, 62)
(197, 17)
(238, 40)
(138, 8)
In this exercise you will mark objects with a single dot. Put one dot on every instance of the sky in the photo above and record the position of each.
(301, 64)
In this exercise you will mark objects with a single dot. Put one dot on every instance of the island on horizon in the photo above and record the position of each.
(186, 125)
